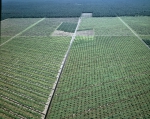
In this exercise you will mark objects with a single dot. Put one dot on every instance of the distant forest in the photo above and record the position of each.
(73, 8)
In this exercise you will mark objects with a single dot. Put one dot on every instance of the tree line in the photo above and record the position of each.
(71, 8)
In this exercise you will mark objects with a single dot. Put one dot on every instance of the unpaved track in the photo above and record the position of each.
(133, 32)
(59, 74)
(22, 31)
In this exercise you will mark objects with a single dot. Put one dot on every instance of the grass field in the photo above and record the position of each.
(106, 75)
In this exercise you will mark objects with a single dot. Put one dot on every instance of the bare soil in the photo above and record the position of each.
(61, 33)
(85, 33)
(86, 15)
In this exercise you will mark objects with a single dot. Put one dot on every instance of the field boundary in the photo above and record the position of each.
(56, 28)
(133, 32)
(48, 103)
(22, 31)
(69, 36)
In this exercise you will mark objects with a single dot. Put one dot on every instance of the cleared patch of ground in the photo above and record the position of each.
(86, 15)
(61, 33)
(85, 33)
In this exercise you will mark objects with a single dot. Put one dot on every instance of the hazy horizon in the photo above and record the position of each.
(73, 8)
